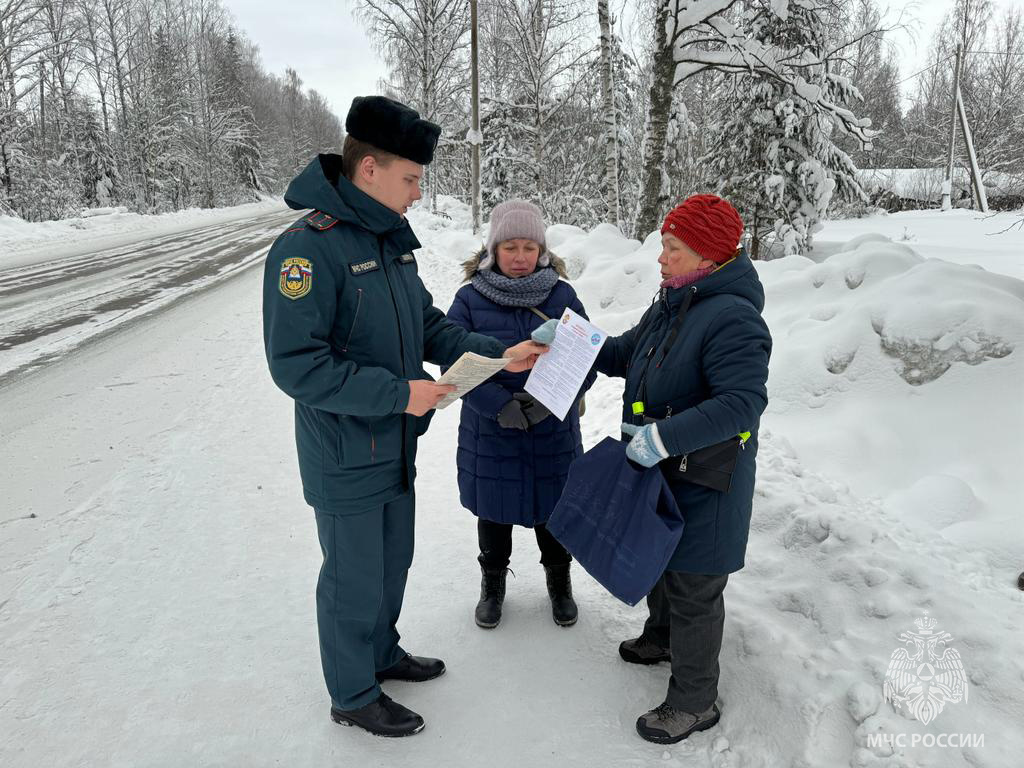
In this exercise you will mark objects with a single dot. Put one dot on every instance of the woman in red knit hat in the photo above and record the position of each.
(695, 368)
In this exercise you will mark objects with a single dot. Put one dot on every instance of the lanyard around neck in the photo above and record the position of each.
(677, 324)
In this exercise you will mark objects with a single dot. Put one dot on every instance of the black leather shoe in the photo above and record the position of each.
(413, 669)
(383, 717)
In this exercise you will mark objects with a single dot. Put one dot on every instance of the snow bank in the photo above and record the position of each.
(890, 370)
(994, 241)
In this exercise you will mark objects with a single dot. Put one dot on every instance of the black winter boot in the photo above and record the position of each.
(492, 595)
(563, 607)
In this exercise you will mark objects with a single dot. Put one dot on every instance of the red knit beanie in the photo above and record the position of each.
(708, 224)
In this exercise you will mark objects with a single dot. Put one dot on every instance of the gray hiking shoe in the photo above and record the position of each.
(666, 725)
(643, 650)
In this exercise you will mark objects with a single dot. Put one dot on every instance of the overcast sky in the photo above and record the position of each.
(324, 43)
(320, 40)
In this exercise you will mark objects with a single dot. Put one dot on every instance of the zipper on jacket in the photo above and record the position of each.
(394, 303)
(373, 444)
(401, 351)
(355, 318)
(673, 332)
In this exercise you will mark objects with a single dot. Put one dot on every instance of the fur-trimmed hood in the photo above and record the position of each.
(472, 265)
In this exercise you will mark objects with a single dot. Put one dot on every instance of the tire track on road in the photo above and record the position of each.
(49, 310)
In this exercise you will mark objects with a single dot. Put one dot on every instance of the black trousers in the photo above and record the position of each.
(687, 614)
(496, 545)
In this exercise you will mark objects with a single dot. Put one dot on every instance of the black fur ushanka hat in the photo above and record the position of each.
(390, 125)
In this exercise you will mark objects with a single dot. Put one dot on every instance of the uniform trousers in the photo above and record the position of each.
(366, 557)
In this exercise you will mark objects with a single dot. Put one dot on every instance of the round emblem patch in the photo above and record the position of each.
(296, 277)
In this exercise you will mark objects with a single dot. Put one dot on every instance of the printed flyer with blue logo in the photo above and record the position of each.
(558, 375)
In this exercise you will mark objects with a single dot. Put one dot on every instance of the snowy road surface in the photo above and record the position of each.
(51, 307)
(158, 563)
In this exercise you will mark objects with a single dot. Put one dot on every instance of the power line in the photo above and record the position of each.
(933, 66)
(999, 53)
(947, 58)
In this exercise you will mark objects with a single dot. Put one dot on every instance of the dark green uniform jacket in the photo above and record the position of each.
(346, 323)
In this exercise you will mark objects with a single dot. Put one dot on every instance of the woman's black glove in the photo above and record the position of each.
(533, 409)
(511, 416)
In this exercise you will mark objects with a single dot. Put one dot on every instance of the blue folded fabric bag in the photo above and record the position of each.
(618, 519)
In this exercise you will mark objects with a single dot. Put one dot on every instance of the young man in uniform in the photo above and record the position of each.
(347, 326)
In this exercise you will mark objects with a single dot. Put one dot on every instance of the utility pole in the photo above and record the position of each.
(979, 189)
(959, 114)
(947, 185)
(475, 138)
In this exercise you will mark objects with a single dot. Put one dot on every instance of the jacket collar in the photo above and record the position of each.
(323, 187)
(736, 276)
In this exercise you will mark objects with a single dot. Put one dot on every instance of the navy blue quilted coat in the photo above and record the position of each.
(713, 383)
(508, 475)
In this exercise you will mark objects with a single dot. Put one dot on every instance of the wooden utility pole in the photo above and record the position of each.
(475, 138)
(947, 185)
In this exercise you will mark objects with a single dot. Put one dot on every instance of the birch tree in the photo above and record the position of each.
(424, 42)
(611, 162)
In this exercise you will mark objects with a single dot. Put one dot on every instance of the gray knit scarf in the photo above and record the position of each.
(526, 291)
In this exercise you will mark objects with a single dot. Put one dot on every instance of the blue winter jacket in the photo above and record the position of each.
(347, 323)
(508, 475)
(710, 387)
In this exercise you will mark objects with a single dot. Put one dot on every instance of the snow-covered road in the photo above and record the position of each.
(49, 307)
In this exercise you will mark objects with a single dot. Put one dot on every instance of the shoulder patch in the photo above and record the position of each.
(320, 220)
(407, 258)
(296, 277)
(361, 267)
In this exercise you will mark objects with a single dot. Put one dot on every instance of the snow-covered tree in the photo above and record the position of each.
(872, 66)
(546, 53)
(154, 104)
(776, 158)
(425, 42)
(693, 36)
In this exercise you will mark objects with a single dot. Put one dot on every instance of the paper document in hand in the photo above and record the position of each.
(469, 371)
(556, 378)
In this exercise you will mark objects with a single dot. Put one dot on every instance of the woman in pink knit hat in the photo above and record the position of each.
(695, 369)
(514, 456)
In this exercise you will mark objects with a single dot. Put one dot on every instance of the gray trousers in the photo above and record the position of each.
(687, 613)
